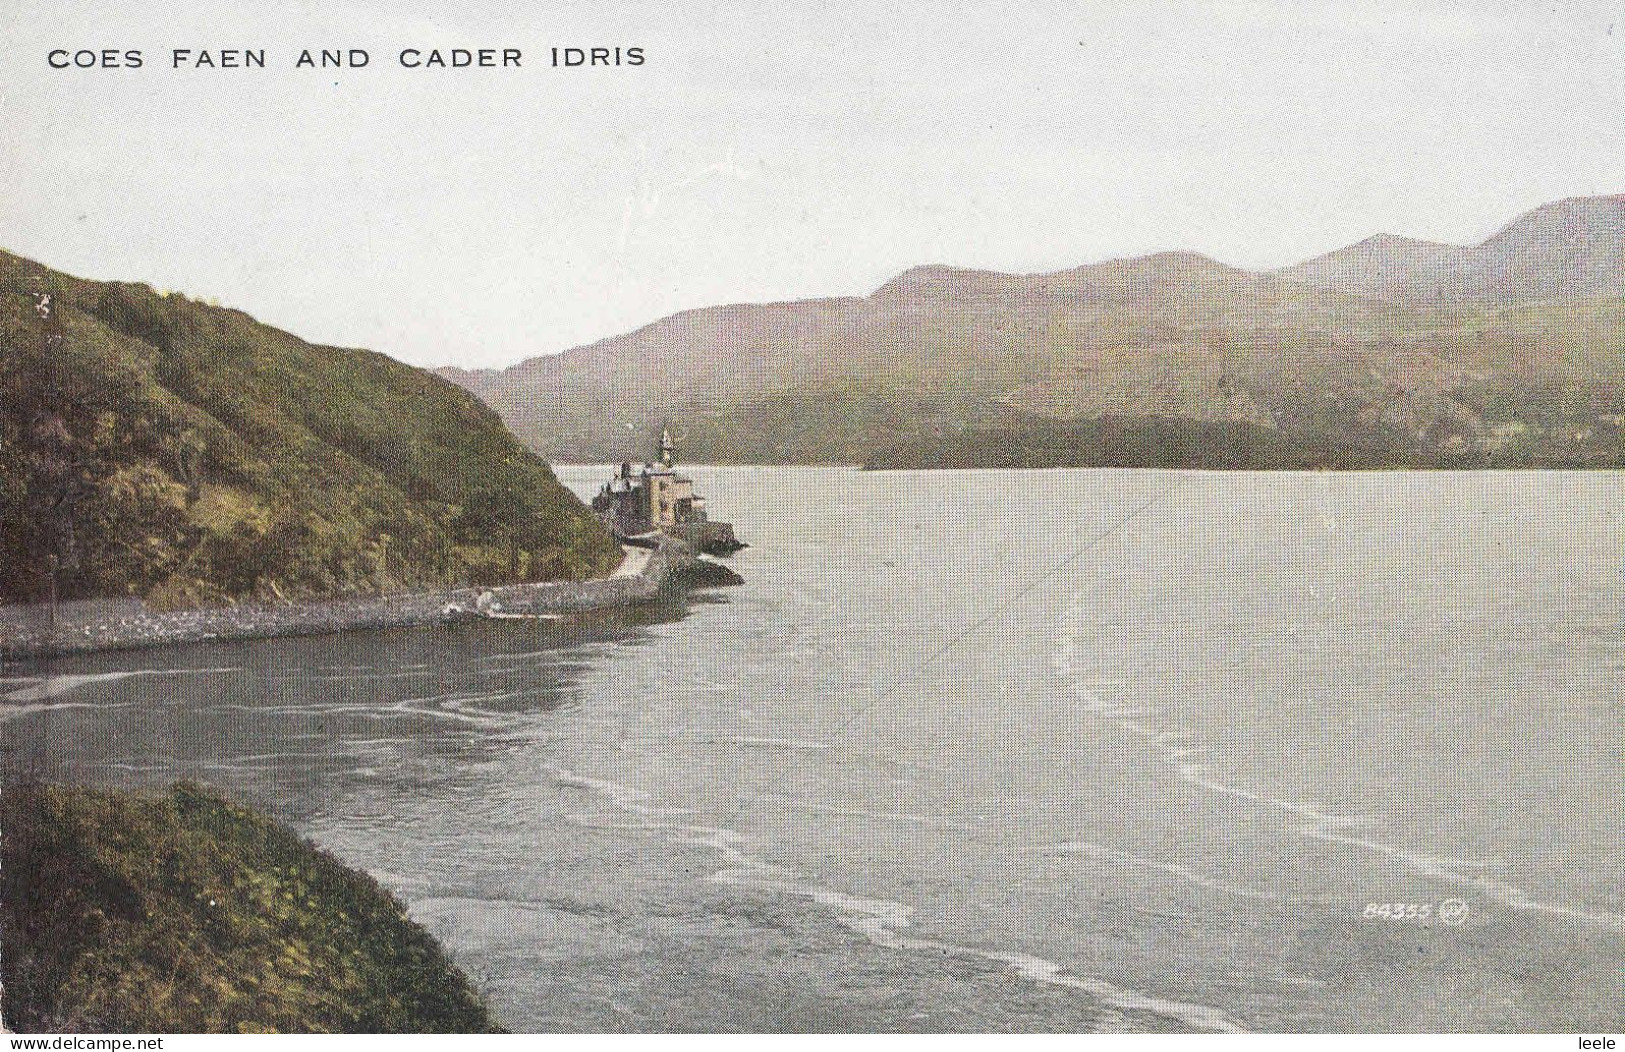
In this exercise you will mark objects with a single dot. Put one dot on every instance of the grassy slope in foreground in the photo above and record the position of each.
(178, 912)
(165, 448)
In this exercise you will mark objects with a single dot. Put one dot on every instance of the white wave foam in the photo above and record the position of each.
(881, 921)
(1088, 847)
(359, 677)
(9, 714)
(456, 707)
(780, 743)
(584, 653)
(1509, 895)
(907, 817)
(624, 796)
(52, 686)
(1320, 824)
(264, 756)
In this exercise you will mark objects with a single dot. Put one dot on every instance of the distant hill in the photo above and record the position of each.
(1567, 250)
(1393, 352)
(1385, 266)
(156, 446)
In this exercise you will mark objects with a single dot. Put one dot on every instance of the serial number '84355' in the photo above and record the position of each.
(1451, 911)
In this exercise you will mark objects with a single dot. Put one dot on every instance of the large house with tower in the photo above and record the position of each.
(640, 505)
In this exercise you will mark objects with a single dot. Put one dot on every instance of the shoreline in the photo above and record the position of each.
(95, 625)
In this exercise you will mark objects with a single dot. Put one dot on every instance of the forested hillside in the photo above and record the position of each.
(156, 446)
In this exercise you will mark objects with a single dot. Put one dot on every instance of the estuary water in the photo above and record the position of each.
(1003, 750)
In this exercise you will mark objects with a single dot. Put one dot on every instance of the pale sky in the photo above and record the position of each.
(769, 151)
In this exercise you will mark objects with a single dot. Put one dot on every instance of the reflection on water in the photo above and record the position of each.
(287, 723)
(1060, 750)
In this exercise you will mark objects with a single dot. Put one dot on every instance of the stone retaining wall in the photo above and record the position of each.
(90, 625)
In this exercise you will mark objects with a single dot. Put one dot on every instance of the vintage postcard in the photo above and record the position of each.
(1034, 517)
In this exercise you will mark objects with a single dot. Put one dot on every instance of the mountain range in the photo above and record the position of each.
(1572, 249)
(1391, 352)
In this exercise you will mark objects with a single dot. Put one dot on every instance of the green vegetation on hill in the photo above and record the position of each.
(1155, 442)
(1391, 353)
(181, 913)
(1173, 442)
(156, 446)
(1468, 387)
